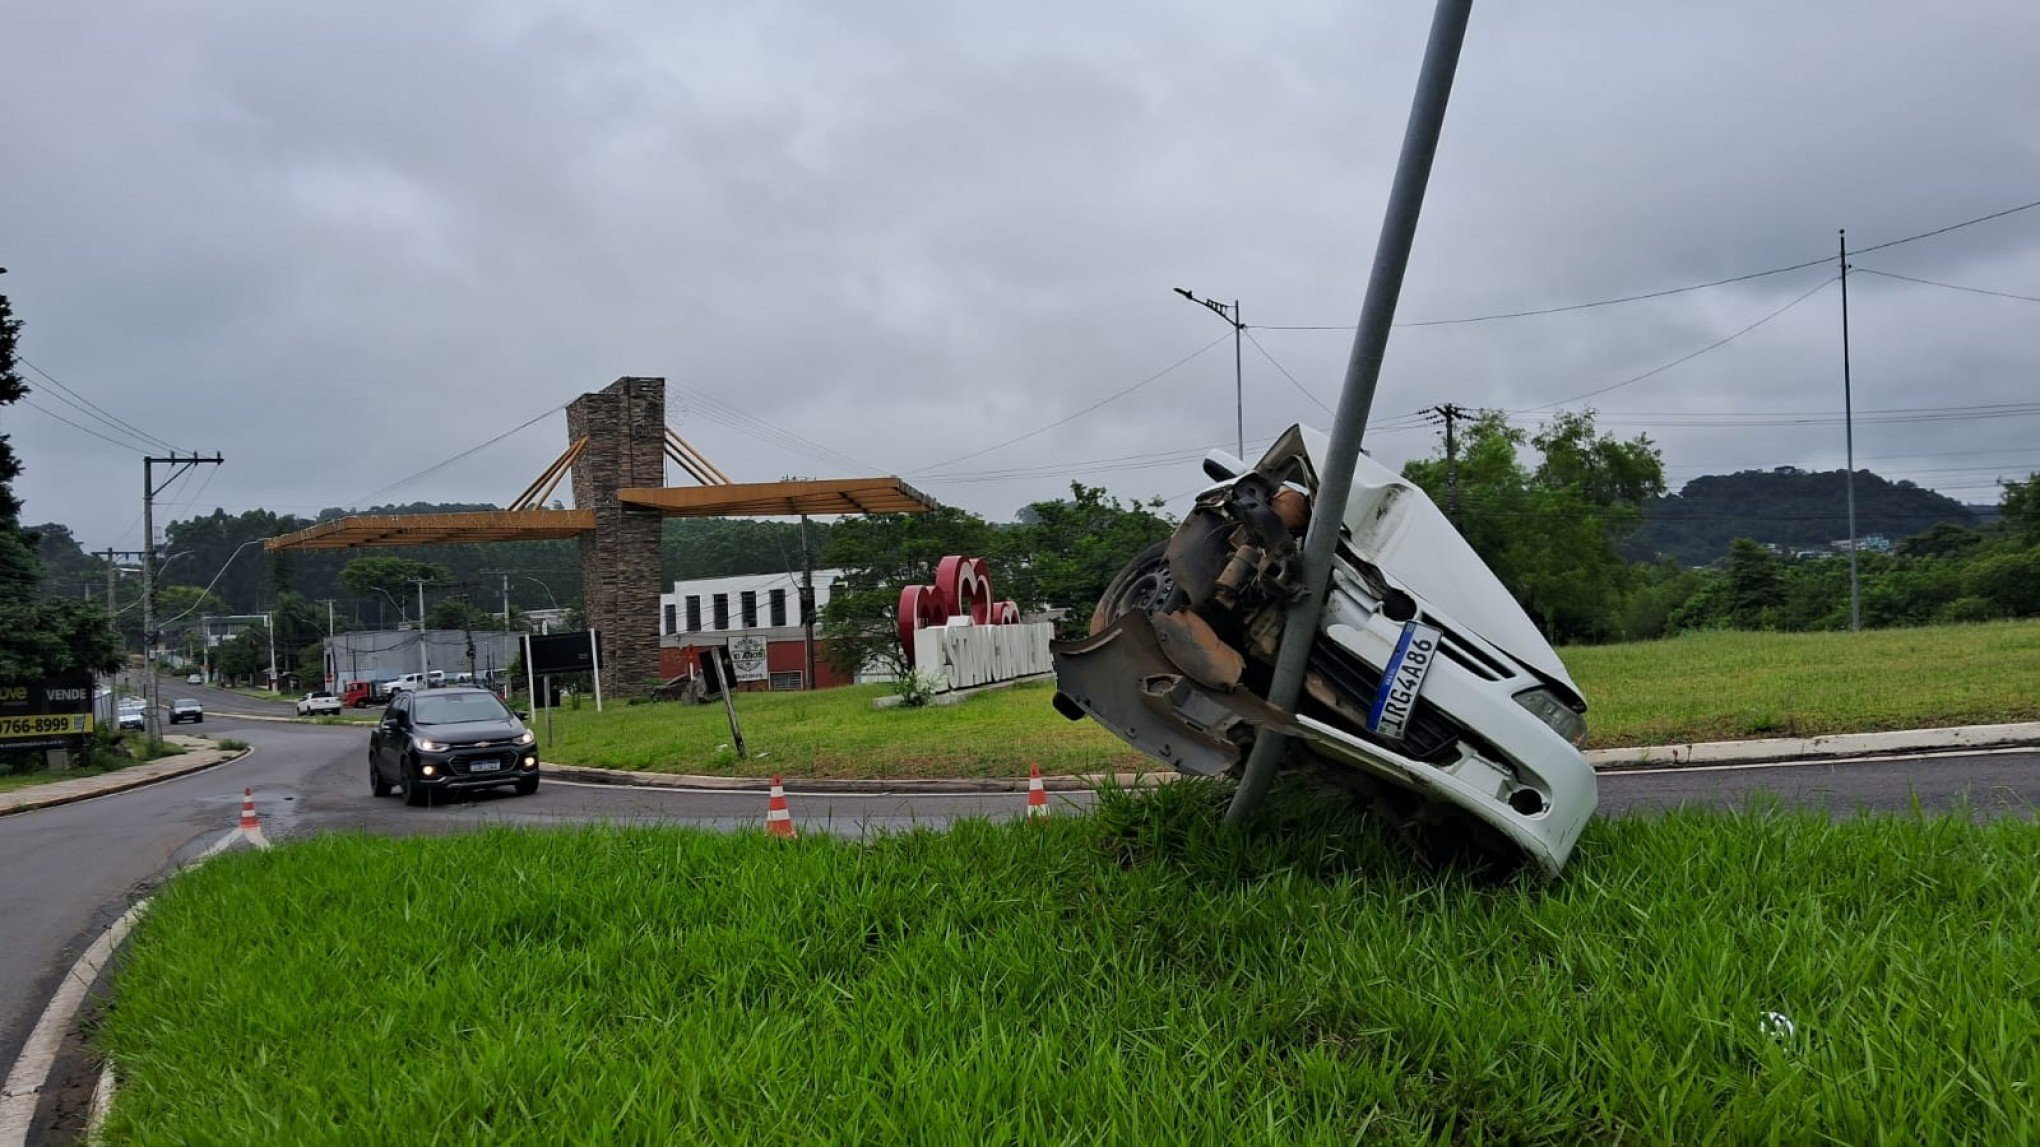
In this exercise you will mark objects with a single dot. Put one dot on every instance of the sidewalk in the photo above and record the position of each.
(199, 754)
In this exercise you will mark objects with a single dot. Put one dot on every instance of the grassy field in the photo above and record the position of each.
(1135, 976)
(1724, 686)
(836, 733)
(1714, 686)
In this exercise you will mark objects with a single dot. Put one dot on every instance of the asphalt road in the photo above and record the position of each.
(70, 870)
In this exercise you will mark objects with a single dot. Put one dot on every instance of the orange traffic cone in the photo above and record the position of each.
(778, 818)
(250, 829)
(1037, 797)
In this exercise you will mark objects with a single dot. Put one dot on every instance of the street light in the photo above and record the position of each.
(1231, 315)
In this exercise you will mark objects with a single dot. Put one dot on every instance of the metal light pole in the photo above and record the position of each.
(424, 665)
(1356, 396)
(1232, 317)
(1849, 439)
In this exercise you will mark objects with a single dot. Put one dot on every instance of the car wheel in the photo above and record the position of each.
(377, 787)
(527, 786)
(415, 794)
(1145, 584)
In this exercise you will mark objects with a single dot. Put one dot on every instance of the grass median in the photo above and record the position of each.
(1702, 687)
(1137, 975)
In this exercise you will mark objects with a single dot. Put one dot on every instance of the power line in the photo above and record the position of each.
(1530, 313)
(438, 466)
(34, 405)
(1114, 396)
(1305, 391)
(694, 401)
(1690, 355)
(105, 416)
(1950, 286)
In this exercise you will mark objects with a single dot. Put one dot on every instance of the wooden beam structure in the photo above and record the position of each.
(815, 497)
(437, 529)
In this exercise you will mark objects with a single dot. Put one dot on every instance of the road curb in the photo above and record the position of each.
(132, 777)
(1079, 782)
(1814, 749)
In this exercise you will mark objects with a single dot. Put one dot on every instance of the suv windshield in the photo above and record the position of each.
(453, 709)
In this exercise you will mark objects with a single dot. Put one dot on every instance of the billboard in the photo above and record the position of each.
(46, 714)
(562, 652)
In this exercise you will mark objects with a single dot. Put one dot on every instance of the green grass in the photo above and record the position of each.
(1136, 976)
(836, 733)
(1725, 686)
(104, 760)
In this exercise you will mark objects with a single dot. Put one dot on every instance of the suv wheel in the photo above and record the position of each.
(415, 794)
(377, 787)
(527, 786)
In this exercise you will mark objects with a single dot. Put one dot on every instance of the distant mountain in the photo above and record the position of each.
(1790, 508)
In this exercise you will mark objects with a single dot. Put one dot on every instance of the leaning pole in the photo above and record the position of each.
(1356, 396)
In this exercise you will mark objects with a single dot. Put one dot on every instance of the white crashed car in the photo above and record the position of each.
(1429, 688)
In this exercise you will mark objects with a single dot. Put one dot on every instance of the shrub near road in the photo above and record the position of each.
(1134, 976)
(1702, 687)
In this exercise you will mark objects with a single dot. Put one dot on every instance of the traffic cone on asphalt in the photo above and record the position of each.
(1037, 797)
(778, 818)
(250, 829)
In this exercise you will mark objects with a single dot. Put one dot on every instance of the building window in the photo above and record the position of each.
(787, 681)
(670, 612)
(722, 611)
(693, 613)
(779, 607)
(750, 604)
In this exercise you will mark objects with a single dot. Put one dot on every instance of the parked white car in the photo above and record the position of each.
(317, 703)
(407, 681)
(1429, 690)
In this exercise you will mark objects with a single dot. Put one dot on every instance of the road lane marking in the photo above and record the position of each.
(1887, 758)
(23, 1090)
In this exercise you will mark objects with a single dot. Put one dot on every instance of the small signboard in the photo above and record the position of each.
(49, 714)
(562, 653)
(747, 655)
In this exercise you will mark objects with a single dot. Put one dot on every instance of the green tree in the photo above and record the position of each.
(38, 639)
(391, 577)
(1064, 553)
(1756, 583)
(879, 555)
(1553, 532)
(460, 613)
(2020, 506)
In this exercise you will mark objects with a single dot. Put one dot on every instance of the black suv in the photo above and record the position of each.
(436, 740)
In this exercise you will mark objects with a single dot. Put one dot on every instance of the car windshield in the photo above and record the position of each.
(455, 708)
(184, 703)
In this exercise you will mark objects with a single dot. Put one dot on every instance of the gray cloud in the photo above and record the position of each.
(340, 244)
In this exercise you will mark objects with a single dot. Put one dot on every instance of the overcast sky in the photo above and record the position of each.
(340, 243)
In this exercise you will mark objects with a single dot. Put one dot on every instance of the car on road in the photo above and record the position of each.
(195, 679)
(186, 709)
(407, 682)
(133, 715)
(318, 702)
(436, 741)
(1427, 689)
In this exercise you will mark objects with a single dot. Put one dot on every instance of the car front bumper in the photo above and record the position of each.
(454, 768)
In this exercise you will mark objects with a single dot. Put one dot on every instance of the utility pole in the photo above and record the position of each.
(424, 664)
(178, 464)
(1451, 413)
(332, 658)
(1849, 438)
(506, 603)
(807, 605)
(269, 626)
(1232, 317)
(1356, 392)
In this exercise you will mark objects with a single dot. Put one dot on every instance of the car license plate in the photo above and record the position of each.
(484, 766)
(1403, 679)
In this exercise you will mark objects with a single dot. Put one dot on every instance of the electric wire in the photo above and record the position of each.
(1659, 294)
(1689, 355)
(1301, 389)
(1947, 286)
(1113, 397)
(41, 409)
(438, 466)
(105, 416)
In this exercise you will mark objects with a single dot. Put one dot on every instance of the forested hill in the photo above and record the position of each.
(1790, 508)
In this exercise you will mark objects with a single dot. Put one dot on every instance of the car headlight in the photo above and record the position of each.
(526, 737)
(1548, 708)
(432, 746)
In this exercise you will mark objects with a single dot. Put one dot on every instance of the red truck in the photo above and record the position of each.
(358, 694)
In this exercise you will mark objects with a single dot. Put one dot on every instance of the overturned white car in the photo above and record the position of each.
(1429, 689)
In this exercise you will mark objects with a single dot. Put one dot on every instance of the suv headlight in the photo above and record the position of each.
(432, 746)
(1548, 708)
(526, 737)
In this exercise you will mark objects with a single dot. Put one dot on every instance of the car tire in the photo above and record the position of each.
(1145, 584)
(377, 787)
(415, 794)
(527, 786)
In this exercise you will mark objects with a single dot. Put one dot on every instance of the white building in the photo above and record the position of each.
(743, 604)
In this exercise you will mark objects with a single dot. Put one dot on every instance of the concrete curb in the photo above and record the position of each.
(1811, 749)
(1692, 755)
(133, 777)
(1080, 782)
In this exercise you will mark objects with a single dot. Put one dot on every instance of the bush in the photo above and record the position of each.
(915, 688)
(231, 743)
(1966, 609)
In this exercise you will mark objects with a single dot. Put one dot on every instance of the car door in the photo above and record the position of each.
(389, 735)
